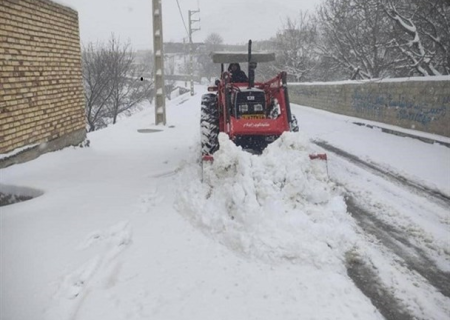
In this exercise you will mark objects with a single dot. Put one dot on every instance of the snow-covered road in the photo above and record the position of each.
(125, 229)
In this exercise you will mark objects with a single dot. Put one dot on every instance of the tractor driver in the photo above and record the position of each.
(237, 75)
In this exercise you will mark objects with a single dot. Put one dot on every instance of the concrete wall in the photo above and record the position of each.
(41, 89)
(408, 103)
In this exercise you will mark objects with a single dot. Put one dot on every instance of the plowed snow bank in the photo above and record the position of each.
(276, 206)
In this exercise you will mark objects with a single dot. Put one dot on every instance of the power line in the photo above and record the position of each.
(182, 18)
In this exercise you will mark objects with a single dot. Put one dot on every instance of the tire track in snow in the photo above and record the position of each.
(410, 256)
(366, 279)
(392, 238)
(414, 257)
(418, 188)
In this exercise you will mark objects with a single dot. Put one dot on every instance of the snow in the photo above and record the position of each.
(410, 27)
(272, 207)
(16, 151)
(160, 110)
(126, 229)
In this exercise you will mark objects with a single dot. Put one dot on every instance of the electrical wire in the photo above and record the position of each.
(182, 18)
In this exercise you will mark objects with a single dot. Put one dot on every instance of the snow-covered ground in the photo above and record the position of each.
(126, 229)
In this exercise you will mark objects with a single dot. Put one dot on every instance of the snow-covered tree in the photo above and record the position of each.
(355, 37)
(422, 35)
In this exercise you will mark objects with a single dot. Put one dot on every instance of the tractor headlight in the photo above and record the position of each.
(258, 107)
(243, 108)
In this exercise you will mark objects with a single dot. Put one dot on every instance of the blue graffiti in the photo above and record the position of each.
(377, 104)
(370, 104)
(306, 92)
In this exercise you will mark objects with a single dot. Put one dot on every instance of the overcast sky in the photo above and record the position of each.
(236, 20)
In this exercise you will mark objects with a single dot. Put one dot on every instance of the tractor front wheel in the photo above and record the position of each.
(209, 126)
(294, 124)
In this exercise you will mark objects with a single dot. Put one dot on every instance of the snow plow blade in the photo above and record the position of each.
(319, 156)
(208, 157)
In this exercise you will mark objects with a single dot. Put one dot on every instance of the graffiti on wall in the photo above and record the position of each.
(370, 104)
(377, 105)
(306, 91)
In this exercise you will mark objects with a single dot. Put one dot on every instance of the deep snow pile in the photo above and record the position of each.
(276, 206)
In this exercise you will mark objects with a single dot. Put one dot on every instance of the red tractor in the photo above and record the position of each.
(253, 114)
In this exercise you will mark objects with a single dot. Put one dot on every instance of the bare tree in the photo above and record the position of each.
(145, 66)
(213, 42)
(128, 89)
(266, 70)
(113, 82)
(297, 48)
(97, 83)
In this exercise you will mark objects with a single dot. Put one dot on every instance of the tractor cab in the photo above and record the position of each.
(245, 111)
(252, 59)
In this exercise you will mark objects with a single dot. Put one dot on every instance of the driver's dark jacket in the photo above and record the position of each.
(239, 76)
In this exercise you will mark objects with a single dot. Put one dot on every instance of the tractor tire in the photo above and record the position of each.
(294, 124)
(209, 126)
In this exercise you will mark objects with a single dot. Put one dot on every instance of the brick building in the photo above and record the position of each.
(41, 89)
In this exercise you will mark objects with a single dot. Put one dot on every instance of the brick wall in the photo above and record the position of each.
(408, 103)
(41, 91)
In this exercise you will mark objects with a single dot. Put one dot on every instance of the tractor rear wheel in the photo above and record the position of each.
(209, 126)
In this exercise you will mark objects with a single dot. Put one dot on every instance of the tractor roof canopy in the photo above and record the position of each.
(230, 57)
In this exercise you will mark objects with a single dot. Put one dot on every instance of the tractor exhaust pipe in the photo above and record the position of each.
(286, 96)
(251, 67)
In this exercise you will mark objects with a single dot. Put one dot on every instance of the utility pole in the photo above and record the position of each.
(160, 97)
(191, 62)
